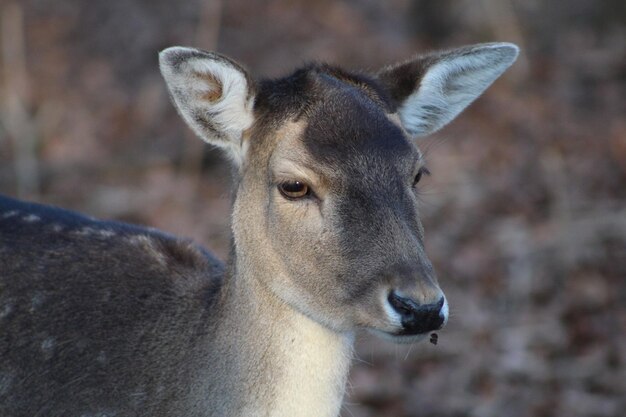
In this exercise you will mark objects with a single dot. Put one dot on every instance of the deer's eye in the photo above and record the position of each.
(293, 190)
(422, 171)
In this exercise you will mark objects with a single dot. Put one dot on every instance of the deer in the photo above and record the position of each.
(103, 318)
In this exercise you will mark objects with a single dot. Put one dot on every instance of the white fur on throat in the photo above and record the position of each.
(317, 361)
(452, 83)
(230, 113)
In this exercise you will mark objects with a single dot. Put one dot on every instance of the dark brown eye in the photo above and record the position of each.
(294, 189)
(423, 171)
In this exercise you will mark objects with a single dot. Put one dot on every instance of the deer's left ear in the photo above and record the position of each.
(431, 90)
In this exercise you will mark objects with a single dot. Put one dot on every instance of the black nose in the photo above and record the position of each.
(417, 318)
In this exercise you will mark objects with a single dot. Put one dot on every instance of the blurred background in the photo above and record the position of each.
(525, 212)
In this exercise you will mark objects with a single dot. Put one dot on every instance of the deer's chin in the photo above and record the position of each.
(399, 337)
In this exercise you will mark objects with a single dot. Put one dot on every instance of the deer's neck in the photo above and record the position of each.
(314, 363)
(284, 363)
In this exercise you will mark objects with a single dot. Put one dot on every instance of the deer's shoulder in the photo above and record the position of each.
(40, 241)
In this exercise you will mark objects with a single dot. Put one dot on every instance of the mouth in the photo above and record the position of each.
(400, 337)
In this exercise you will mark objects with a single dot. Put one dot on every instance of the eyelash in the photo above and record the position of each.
(422, 171)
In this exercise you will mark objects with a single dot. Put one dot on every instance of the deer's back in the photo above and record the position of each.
(96, 318)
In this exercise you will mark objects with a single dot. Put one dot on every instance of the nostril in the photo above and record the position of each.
(405, 306)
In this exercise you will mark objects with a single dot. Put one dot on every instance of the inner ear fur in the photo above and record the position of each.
(430, 90)
(212, 93)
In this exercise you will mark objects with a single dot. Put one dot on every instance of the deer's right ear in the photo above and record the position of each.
(212, 93)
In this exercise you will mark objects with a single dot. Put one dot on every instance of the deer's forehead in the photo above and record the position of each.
(342, 133)
(324, 149)
(348, 133)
